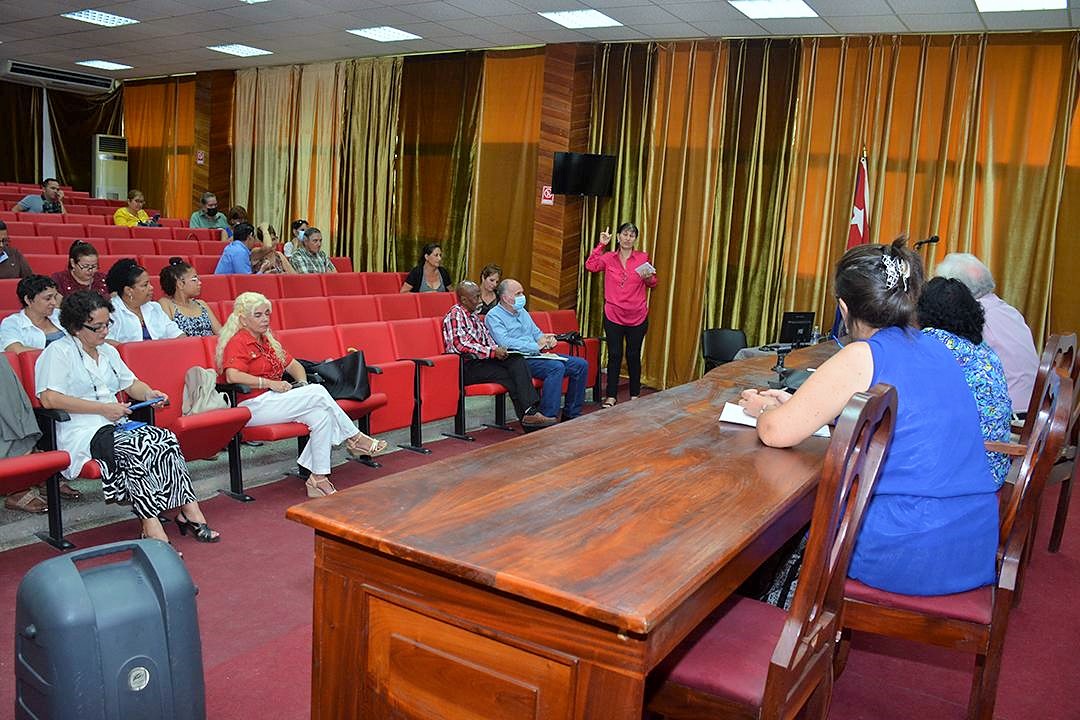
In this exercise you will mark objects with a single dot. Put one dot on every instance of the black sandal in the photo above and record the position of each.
(199, 531)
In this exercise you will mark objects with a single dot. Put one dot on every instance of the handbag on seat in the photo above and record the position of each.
(345, 378)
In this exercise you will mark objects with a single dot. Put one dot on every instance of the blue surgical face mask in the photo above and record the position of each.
(519, 302)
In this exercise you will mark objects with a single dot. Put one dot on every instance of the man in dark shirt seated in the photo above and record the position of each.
(12, 262)
(464, 332)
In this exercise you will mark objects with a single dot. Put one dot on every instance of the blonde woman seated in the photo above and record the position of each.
(181, 302)
(249, 354)
(135, 314)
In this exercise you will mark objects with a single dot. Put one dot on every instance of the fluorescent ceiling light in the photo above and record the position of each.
(239, 50)
(103, 65)
(384, 33)
(1017, 5)
(96, 17)
(577, 19)
(773, 9)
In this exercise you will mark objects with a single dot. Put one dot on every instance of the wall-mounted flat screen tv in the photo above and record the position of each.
(582, 174)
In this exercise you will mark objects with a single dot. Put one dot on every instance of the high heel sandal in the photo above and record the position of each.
(318, 488)
(144, 536)
(373, 449)
(199, 531)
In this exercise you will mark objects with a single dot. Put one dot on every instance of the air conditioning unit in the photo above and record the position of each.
(110, 160)
(53, 79)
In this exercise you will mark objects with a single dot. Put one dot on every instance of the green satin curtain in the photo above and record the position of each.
(20, 125)
(159, 123)
(74, 119)
(368, 171)
(317, 157)
(438, 131)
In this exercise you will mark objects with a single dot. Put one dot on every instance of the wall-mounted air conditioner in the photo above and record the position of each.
(110, 160)
(54, 79)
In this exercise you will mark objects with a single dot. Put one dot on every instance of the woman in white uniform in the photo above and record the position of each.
(81, 375)
(38, 323)
(135, 314)
(249, 354)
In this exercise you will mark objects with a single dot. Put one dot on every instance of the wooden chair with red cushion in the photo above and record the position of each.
(974, 621)
(753, 660)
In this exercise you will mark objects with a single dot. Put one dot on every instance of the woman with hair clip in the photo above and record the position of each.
(137, 316)
(249, 354)
(83, 271)
(81, 375)
(181, 302)
(265, 259)
(932, 525)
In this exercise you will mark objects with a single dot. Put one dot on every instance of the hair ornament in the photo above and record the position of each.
(896, 269)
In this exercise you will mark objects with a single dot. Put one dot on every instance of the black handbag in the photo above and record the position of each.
(345, 378)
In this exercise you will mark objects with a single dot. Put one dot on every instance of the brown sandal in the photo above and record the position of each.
(376, 447)
(608, 402)
(68, 492)
(319, 488)
(29, 502)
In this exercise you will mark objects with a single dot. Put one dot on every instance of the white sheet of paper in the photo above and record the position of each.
(645, 268)
(732, 413)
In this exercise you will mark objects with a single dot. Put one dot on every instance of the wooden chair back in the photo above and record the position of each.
(850, 472)
(1058, 356)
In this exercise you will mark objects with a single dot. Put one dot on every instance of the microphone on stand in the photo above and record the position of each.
(932, 240)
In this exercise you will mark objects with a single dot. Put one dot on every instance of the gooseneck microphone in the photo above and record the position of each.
(932, 240)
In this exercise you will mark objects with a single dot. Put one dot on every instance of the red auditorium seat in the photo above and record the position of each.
(435, 304)
(34, 244)
(154, 263)
(201, 234)
(353, 309)
(172, 223)
(566, 321)
(438, 376)
(264, 284)
(343, 264)
(205, 265)
(397, 381)
(71, 218)
(57, 229)
(402, 306)
(102, 210)
(76, 209)
(20, 227)
(211, 247)
(106, 261)
(9, 297)
(162, 364)
(215, 288)
(127, 246)
(177, 247)
(301, 285)
(186, 233)
(152, 233)
(385, 283)
(108, 231)
(342, 284)
(7, 216)
(47, 264)
(304, 313)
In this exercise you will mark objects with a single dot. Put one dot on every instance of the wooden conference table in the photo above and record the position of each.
(545, 576)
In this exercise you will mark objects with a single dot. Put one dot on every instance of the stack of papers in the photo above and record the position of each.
(733, 413)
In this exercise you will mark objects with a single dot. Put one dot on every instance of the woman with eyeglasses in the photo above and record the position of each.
(181, 302)
(83, 272)
(81, 375)
(137, 316)
(133, 214)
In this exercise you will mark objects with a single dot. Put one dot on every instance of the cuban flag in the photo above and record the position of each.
(858, 228)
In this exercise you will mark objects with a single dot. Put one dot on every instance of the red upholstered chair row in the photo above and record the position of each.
(33, 224)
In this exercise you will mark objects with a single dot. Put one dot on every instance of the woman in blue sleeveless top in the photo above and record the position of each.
(932, 525)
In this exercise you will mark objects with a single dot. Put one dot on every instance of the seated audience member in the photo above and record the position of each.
(12, 263)
(490, 277)
(133, 215)
(513, 328)
(236, 257)
(949, 312)
(38, 323)
(249, 354)
(181, 287)
(81, 375)
(1005, 329)
(83, 271)
(20, 434)
(265, 259)
(135, 314)
(208, 216)
(298, 227)
(237, 214)
(464, 332)
(309, 257)
(429, 275)
(51, 199)
(932, 525)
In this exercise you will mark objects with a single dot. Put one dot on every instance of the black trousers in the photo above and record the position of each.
(512, 373)
(633, 336)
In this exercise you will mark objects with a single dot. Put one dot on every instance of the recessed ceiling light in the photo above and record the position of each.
(103, 65)
(577, 19)
(239, 50)
(384, 33)
(1018, 5)
(773, 9)
(96, 17)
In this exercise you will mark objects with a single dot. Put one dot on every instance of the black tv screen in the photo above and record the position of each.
(582, 174)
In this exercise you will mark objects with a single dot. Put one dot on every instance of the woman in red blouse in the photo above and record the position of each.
(83, 272)
(249, 354)
(627, 274)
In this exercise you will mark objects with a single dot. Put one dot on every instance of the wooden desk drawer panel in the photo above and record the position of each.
(423, 668)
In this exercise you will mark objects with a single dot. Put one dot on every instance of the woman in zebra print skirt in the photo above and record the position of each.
(81, 375)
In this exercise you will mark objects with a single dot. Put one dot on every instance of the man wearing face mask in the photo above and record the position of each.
(208, 215)
(512, 327)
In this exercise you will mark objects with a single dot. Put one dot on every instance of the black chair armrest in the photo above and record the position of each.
(420, 361)
(372, 370)
(46, 420)
(51, 415)
(231, 390)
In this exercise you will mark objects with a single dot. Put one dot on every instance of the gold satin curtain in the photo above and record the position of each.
(966, 138)
(504, 196)
(316, 165)
(159, 122)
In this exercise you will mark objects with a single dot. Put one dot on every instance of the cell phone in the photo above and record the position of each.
(130, 425)
(146, 403)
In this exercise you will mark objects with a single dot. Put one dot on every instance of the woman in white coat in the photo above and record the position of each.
(38, 323)
(135, 314)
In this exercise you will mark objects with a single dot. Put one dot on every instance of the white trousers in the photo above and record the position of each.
(327, 423)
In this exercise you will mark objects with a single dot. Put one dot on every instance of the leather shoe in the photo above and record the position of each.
(537, 420)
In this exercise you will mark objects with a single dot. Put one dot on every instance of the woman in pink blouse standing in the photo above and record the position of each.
(626, 306)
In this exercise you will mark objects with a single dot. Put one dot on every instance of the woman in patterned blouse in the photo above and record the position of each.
(949, 312)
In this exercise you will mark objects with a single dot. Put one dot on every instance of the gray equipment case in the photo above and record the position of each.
(116, 638)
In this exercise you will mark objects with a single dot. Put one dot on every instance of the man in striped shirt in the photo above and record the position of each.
(465, 334)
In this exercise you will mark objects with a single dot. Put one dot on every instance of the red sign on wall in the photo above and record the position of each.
(547, 197)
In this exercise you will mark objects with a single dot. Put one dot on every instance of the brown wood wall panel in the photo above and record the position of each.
(213, 135)
(564, 127)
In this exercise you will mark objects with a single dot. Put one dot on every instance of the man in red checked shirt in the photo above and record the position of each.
(465, 334)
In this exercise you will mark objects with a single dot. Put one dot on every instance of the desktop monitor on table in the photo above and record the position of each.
(797, 328)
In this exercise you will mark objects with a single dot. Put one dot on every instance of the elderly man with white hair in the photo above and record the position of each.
(1005, 330)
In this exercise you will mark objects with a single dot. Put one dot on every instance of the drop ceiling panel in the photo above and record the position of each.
(1033, 20)
(436, 11)
(958, 22)
(486, 8)
(867, 24)
(842, 8)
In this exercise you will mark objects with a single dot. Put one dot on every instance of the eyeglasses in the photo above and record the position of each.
(139, 200)
(87, 268)
(98, 328)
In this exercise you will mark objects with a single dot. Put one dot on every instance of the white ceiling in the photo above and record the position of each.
(173, 34)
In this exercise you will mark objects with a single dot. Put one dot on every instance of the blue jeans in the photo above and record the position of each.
(552, 372)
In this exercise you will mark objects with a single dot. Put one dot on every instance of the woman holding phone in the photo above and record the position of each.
(628, 275)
